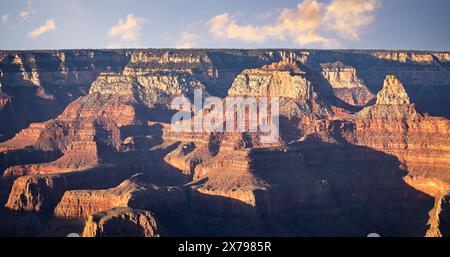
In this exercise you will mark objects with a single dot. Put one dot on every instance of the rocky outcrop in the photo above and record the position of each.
(403, 56)
(345, 83)
(438, 189)
(80, 204)
(135, 192)
(42, 192)
(122, 222)
(31, 193)
(167, 57)
(393, 125)
(81, 153)
(443, 57)
(44, 68)
(393, 92)
(420, 142)
(150, 88)
(341, 76)
(184, 158)
(284, 79)
(88, 123)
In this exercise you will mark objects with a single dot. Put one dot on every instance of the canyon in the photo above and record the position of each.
(87, 146)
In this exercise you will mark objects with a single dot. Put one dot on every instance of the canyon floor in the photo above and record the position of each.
(87, 146)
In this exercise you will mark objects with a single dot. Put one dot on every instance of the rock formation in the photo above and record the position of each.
(346, 84)
(394, 125)
(122, 222)
(361, 148)
(403, 56)
(393, 92)
(83, 203)
(284, 79)
(41, 84)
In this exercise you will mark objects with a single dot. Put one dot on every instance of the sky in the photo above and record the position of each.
(323, 24)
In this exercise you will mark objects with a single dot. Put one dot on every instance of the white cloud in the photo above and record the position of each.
(4, 18)
(127, 30)
(49, 25)
(299, 24)
(304, 24)
(349, 18)
(187, 40)
(223, 26)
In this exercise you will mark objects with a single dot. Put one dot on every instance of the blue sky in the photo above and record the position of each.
(362, 24)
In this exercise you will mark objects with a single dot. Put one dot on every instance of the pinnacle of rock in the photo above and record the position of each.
(393, 92)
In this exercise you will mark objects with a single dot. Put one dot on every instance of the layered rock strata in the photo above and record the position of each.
(357, 151)
(122, 222)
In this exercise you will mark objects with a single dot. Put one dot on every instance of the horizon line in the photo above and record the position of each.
(209, 48)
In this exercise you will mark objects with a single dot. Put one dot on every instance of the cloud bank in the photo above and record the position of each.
(304, 24)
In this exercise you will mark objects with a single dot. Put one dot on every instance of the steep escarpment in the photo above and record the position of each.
(424, 74)
(393, 125)
(83, 203)
(40, 84)
(346, 84)
(155, 87)
(77, 133)
(404, 56)
(357, 152)
(420, 142)
(42, 192)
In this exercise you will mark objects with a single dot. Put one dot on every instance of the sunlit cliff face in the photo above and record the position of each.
(88, 142)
